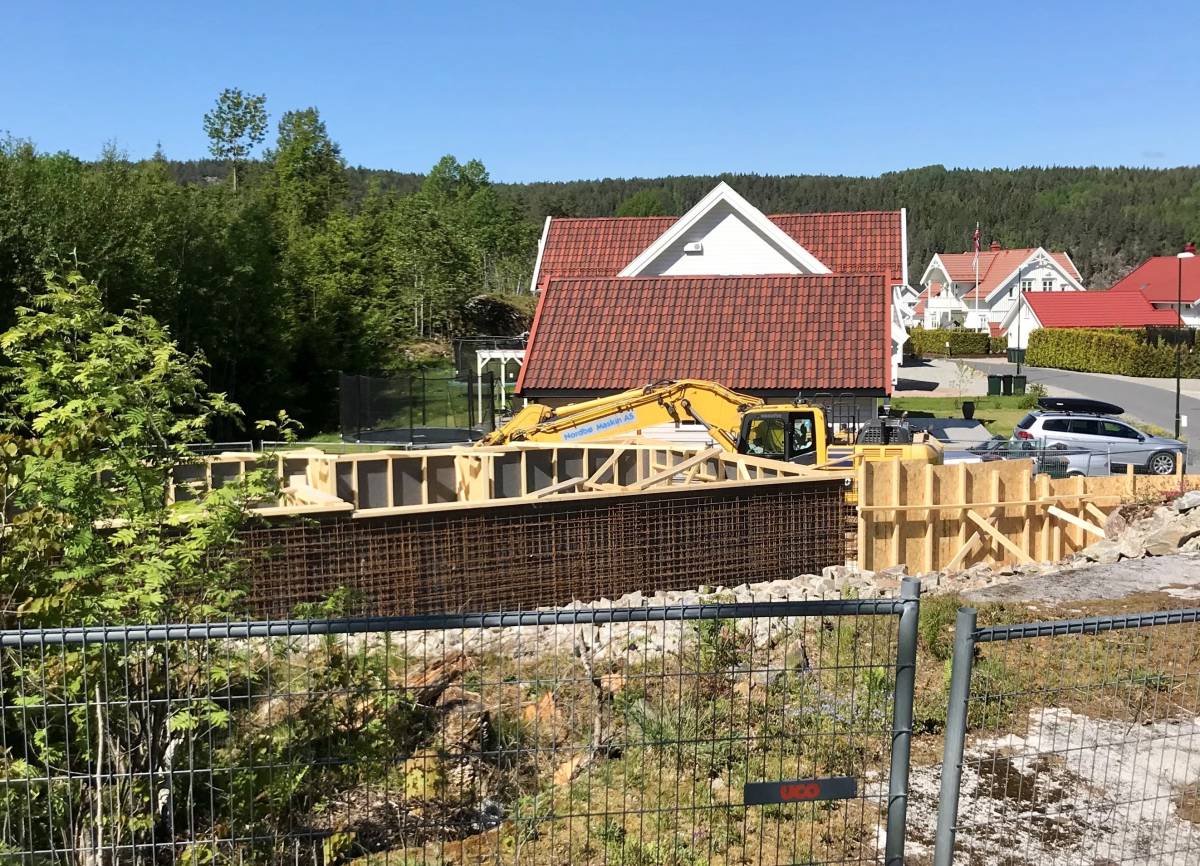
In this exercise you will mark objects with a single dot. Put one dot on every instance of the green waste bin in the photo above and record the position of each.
(1019, 385)
(1006, 385)
(993, 384)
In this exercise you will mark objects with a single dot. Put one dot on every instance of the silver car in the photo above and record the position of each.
(1123, 444)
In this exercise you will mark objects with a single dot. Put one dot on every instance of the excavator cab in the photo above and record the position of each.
(776, 433)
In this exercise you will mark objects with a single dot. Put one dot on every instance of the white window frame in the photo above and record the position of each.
(1047, 284)
(1026, 285)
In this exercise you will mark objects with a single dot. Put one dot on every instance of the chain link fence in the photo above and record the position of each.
(417, 409)
(1083, 746)
(753, 733)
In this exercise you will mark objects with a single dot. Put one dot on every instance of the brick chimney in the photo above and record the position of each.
(995, 246)
(1190, 247)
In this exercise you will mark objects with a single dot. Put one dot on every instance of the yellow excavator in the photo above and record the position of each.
(796, 433)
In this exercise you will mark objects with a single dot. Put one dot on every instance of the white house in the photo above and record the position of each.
(725, 236)
(978, 292)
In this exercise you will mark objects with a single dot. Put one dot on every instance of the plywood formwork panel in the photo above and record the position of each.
(951, 517)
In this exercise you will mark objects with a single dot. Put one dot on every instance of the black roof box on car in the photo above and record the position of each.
(1079, 404)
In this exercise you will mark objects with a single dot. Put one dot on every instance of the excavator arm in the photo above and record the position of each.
(686, 400)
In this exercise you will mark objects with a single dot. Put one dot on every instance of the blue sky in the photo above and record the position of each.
(563, 90)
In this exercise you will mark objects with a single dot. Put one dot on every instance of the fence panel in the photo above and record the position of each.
(415, 409)
(1084, 742)
(607, 735)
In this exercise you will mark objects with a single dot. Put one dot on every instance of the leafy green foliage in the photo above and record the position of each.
(102, 407)
(1093, 350)
(962, 342)
(236, 126)
(646, 202)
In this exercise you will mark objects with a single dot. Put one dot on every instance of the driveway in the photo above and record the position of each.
(1151, 401)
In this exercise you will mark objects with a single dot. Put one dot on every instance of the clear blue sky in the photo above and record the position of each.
(563, 90)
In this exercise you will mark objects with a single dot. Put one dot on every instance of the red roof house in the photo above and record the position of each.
(1109, 309)
(771, 335)
(954, 294)
(1158, 279)
(771, 305)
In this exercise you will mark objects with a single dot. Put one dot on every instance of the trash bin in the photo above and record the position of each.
(993, 384)
(1006, 385)
(1019, 385)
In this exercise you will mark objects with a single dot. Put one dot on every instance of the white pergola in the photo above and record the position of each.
(484, 357)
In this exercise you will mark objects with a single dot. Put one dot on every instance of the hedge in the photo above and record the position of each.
(933, 342)
(1095, 350)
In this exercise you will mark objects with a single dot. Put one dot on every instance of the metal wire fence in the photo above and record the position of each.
(1084, 743)
(722, 733)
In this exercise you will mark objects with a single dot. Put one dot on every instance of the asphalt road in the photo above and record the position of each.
(1149, 403)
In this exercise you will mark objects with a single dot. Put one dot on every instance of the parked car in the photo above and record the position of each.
(1055, 460)
(1076, 427)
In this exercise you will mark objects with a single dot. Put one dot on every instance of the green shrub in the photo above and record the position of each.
(933, 342)
(1095, 350)
(997, 345)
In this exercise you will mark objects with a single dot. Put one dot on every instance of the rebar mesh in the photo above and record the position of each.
(520, 556)
(584, 736)
(1084, 747)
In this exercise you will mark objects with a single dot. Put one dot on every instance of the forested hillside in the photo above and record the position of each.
(285, 265)
(1108, 219)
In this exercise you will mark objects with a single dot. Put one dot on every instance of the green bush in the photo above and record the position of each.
(933, 342)
(997, 345)
(1094, 350)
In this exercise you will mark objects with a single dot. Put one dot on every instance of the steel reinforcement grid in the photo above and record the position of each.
(1083, 746)
(759, 733)
(526, 555)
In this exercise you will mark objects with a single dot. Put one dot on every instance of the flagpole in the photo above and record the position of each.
(976, 274)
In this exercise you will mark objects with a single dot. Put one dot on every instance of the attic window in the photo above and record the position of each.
(695, 248)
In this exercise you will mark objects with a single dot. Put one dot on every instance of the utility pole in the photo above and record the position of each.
(1189, 251)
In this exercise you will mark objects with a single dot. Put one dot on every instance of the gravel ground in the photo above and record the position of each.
(1175, 575)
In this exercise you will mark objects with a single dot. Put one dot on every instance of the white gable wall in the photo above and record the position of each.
(731, 247)
(1024, 324)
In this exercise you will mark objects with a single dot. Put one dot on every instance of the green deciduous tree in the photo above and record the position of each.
(236, 126)
(101, 408)
(308, 171)
(646, 202)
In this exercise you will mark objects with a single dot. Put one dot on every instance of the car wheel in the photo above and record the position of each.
(1162, 463)
(1075, 473)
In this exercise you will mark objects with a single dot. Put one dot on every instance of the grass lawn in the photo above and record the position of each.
(998, 414)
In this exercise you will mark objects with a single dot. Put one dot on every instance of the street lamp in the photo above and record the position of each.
(1189, 251)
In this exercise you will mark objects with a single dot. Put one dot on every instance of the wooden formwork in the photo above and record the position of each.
(383, 482)
(945, 518)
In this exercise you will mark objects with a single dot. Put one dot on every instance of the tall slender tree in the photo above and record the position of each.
(236, 126)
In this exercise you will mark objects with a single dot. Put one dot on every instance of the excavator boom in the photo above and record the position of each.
(715, 406)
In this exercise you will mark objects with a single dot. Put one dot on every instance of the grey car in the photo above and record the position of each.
(1123, 444)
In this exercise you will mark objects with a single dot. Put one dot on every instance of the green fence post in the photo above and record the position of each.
(902, 719)
(956, 736)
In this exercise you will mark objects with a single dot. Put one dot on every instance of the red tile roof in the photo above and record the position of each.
(1097, 310)
(1158, 279)
(994, 267)
(762, 333)
(864, 242)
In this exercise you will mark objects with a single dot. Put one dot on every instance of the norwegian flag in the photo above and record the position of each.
(976, 241)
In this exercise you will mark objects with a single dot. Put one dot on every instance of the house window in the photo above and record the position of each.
(1026, 285)
(1048, 284)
